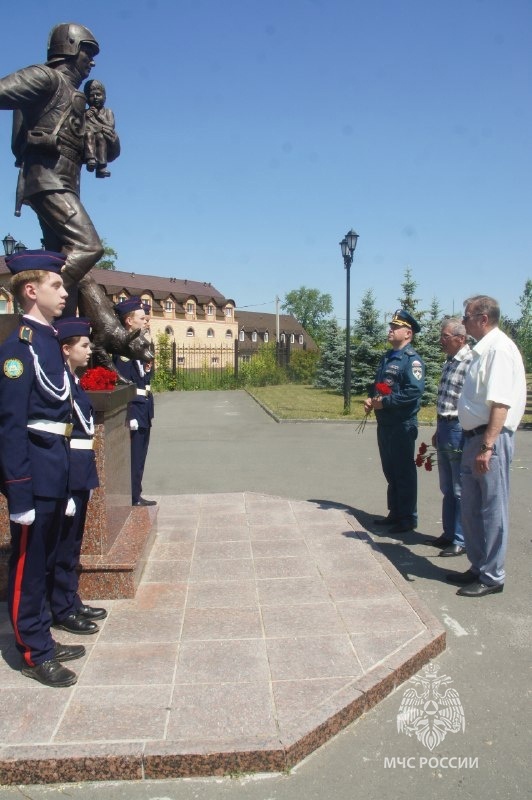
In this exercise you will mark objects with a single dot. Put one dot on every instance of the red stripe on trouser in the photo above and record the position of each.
(17, 591)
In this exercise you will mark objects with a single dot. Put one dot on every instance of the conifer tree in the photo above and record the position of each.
(427, 344)
(330, 371)
(409, 302)
(368, 345)
(524, 326)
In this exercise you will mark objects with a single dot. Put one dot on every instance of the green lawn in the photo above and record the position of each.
(294, 401)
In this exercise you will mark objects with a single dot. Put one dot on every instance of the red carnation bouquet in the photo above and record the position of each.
(99, 379)
(382, 390)
(427, 456)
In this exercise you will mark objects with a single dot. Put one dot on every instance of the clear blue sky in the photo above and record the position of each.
(255, 133)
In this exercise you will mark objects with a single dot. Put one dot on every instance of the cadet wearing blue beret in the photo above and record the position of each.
(403, 371)
(35, 425)
(140, 410)
(68, 611)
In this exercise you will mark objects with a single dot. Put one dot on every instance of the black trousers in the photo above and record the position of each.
(397, 445)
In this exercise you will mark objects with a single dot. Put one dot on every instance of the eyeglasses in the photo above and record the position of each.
(445, 336)
(468, 316)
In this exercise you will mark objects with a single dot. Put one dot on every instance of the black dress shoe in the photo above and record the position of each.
(75, 624)
(142, 502)
(461, 577)
(89, 612)
(402, 527)
(51, 673)
(441, 542)
(68, 652)
(389, 520)
(453, 550)
(478, 589)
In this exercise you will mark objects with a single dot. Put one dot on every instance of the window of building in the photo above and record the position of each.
(241, 336)
(292, 338)
(169, 330)
(229, 334)
(147, 301)
(181, 359)
(190, 331)
(266, 336)
(122, 297)
(254, 336)
(214, 360)
(210, 310)
(190, 308)
(169, 306)
(228, 311)
(210, 334)
(300, 338)
(283, 338)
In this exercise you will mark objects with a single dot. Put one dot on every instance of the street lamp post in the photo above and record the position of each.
(348, 245)
(12, 246)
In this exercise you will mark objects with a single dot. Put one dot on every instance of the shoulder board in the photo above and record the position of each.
(409, 350)
(123, 358)
(25, 334)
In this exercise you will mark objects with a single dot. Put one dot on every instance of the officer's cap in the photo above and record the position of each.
(72, 326)
(29, 260)
(128, 306)
(405, 320)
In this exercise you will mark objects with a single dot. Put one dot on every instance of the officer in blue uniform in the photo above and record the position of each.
(35, 425)
(402, 369)
(68, 611)
(140, 410)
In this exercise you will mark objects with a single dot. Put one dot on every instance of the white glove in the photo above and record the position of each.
(133, 424)
(25, 518)
(70, 509)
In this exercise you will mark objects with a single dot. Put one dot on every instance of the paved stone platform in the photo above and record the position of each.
(261, 627)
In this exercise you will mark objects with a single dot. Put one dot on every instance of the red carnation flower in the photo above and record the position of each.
(99, 379)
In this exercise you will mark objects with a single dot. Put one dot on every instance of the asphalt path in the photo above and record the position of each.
(224, 442)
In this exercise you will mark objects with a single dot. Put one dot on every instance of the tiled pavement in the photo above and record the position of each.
(261, 627)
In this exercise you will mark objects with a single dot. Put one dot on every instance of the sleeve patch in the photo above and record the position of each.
(13, 368)
(417, 369)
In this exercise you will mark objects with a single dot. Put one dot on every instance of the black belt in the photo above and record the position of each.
(475, 431)
(443, 418)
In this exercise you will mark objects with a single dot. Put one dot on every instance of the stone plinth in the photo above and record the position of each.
(117, 537)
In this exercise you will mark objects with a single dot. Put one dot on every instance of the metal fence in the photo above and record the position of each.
(206, 366)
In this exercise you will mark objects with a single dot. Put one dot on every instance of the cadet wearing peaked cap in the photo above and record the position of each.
(35, 423)
(403, 371)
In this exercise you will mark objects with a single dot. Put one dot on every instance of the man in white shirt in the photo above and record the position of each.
(490, 408)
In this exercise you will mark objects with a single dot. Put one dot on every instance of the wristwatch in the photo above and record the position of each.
(485, 447)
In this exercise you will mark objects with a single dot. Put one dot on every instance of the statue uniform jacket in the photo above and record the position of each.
(141, 408)
(52, 111)
(34, 386)
(404, 372)
(83, 473)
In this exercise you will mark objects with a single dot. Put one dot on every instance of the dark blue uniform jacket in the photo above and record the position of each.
(83, 474)
(141, 408)
(32, 462)
(404, 371)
